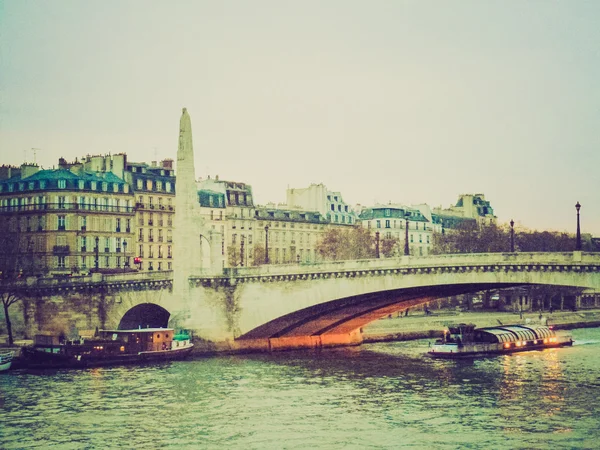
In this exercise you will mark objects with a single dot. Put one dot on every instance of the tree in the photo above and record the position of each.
(11, 268)
(389, 247)
(469, 237)
(258, 255)
(354, 243)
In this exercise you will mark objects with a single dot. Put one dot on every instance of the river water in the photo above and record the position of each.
(379, 396)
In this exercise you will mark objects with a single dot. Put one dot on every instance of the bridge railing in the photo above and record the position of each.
(95, 278)
(457, 259)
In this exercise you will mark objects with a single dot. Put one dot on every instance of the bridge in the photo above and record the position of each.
(292, 306)
(327, 304)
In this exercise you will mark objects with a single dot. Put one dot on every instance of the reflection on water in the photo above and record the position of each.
(386, 395)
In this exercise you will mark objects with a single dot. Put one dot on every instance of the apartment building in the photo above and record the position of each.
(67, 220)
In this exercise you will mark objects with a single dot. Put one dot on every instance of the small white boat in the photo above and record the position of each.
(465, 340)
(6, 359)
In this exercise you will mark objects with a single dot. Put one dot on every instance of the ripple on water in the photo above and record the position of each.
(377, 396)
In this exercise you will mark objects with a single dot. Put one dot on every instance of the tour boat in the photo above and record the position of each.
(466, 340)
(6, 359)
(107, 347)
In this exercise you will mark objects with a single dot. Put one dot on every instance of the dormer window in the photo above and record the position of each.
(81, 184)
(104, 186)
(93, 185)
(62, 184)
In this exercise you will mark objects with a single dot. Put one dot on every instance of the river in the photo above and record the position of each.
(377, 396)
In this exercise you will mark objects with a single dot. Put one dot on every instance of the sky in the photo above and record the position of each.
(402, 101)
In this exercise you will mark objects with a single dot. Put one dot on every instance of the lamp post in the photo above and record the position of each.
(512, 236)
(125, 262)
(96, 262)
(377, 244)
(578, 244)
(406, 250)
(267, 244)
(242, 250)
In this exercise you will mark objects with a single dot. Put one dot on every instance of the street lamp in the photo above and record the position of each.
(406, 250)
(267, 244)
(96, 262)
(377, 244)
(242, 250)
(125, 261)
(512, 236)
(578, 244)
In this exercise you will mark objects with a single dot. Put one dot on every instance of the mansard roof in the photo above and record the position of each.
(289, 215)
(383, 212)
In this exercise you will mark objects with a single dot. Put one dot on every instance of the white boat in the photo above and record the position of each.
(467, 341)
(6, 359)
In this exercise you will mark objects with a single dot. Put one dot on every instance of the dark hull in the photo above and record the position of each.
(34, 359)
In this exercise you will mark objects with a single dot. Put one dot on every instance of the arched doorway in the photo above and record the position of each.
(146, 315)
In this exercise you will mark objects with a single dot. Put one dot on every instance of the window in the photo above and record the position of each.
(428, 239)
(104, 186)
(379, 224)
(158, 185)
(168, 186)
(62, 223)
(387, 223)
(61, 262)
(139, 184)
(62, 184)
(93, 185)
(61, 202)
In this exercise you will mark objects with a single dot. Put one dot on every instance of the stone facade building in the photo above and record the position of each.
(68, 220)
(468, 207)
(154, 189)
(392, 221)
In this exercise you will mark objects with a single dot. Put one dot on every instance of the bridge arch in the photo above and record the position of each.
(145, 315)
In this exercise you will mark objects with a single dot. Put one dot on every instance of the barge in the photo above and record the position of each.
(465, 340)
(107, 347)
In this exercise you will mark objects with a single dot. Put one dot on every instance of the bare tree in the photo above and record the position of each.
(12, 260)
(355, 243)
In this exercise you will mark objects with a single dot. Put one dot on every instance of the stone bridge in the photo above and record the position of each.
(290, 306)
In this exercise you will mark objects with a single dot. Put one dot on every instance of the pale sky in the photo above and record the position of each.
(403, 101)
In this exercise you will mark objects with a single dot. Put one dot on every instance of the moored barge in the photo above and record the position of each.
(107, 347)
(465, 340)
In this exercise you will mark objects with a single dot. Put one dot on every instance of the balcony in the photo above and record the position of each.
(61, 250)
(151, 206)
(106, 249)
(139, 205)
